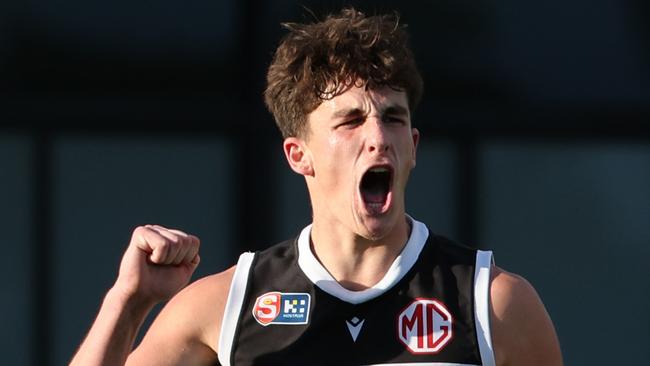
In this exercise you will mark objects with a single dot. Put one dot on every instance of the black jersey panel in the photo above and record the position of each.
(428, 316)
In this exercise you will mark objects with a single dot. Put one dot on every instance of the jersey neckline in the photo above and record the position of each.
(320, 277)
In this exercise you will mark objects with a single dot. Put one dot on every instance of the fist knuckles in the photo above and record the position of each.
(166, 246)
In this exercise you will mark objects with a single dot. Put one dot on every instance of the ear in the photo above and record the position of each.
(297, 154)
(416, 138)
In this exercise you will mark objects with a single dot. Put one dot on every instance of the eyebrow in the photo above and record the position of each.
(347, 112)
(395, 110)
(390, 110)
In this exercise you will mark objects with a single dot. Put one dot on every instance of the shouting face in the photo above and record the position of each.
(356, 157)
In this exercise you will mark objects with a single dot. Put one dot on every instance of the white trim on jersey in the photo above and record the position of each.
(317, 274)
(482, 306)
(233, 307)
(424, 364)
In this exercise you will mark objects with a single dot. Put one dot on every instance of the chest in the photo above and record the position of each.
(427, 318)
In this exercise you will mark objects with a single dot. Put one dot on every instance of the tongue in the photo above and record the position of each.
(374, 187)
(374, 195)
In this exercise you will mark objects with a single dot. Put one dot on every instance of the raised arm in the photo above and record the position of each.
(187, 330)
(522, 331)
(157, 264)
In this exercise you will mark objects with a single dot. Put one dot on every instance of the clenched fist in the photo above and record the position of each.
(157, 264)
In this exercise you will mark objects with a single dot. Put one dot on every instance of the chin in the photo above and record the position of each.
(377, 228)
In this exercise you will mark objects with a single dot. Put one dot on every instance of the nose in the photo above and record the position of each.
(376, 137)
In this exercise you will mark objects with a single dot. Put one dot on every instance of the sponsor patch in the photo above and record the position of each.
(425, 326)
(282, 308)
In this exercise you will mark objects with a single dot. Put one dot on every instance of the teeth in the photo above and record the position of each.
(379, 170)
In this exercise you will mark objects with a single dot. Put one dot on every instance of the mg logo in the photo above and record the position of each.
(424, 326)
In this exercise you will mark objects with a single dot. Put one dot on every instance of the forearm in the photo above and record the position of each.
(157, 263)
(111, 338)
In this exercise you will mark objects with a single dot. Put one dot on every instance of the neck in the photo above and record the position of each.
(357, 263)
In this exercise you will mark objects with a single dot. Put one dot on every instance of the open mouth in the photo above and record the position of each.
(375, 187)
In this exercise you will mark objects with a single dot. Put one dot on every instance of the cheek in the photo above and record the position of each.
(338, 161)
(340, 148)
(337, 144)
(408, 154)
(326, 155)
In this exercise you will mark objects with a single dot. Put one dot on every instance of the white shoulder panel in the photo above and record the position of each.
(233, 307)
(482, 306)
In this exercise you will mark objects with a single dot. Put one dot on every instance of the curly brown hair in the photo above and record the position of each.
(318, 61)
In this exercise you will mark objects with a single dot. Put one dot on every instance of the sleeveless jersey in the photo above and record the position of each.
(431, 308)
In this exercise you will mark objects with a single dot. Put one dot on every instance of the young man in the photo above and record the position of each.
(364, 284)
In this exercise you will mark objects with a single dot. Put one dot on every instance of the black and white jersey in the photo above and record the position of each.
(431, 308)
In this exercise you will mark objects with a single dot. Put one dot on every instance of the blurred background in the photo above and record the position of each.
(535, 144)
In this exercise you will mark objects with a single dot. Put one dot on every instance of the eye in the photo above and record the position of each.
(395, 120)
(350, 123)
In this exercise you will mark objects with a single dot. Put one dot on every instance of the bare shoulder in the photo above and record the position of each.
(522, 331)
(187, 329)
(204, 302)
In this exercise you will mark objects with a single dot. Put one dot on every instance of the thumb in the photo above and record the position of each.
(194, 263)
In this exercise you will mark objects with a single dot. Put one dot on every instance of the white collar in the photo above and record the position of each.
(317, 274)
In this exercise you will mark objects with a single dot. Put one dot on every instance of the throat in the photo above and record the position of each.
(356, 263)
(357, 267)
(374, 187)
(363, 275)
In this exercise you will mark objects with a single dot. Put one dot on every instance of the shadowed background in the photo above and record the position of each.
(535, 143)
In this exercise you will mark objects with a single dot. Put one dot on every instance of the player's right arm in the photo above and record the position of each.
(157, 264)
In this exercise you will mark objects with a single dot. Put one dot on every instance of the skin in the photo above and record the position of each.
(522, 330)
(347, 135)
